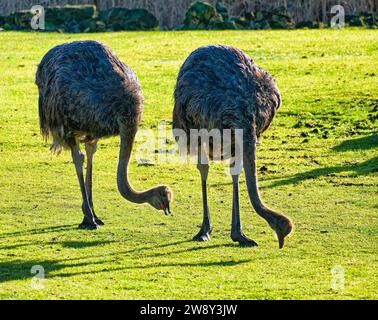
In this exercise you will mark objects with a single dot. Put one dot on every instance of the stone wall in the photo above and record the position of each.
(171, 13)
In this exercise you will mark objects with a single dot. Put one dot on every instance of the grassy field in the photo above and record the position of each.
(319, 164)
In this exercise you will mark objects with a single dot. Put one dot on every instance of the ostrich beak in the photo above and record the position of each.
(167, 210)
(281, 240)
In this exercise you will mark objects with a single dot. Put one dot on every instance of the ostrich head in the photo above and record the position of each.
(161, 198)
(283, 226)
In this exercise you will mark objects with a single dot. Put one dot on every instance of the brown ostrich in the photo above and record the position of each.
(87, 93)
(220, 87)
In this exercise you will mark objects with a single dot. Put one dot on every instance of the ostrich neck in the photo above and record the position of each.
(250, 168)
(124, 187)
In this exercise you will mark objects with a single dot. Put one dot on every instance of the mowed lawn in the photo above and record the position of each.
(318, 163)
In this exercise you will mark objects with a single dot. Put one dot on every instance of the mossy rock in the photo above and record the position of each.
(224, 25)
(261, 25)
(259, 16)
(3, 20)
(249, 15)
(282, 12)
(63, 19)
(71, 27)
(100, 26)
(276, 22)
(264, 25)
(356, 21)
(113, 14)
(93, 25)
(20, 20)
(60, 16)
(7, 26)
(280, 18)
(129, 19)
(222, 10)
(88, 25)
(141, 19)
(216, 19)
(201, 15)
(307, 24)
(364, 19)
(369, 20)
(242, 23)
(75, 19)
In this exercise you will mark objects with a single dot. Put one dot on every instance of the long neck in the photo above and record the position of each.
(249, 162)
(124, 187)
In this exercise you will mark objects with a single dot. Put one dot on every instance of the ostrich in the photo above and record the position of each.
(220, 87)
(86, 93)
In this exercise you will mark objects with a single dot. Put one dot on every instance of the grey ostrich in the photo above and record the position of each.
(86, 93)
(220, 87)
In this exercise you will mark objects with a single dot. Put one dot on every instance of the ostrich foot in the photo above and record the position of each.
(98, 221)
(202, 236)
(88, 224)
(243, 240)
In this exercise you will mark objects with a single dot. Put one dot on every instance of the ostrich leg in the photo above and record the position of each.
(90, 149)
(78, 159)
(237, 234)
(204, 233)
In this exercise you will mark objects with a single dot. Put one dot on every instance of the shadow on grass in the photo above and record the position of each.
(197, 248)
(81, 244)
(89, 264)
(39, 231)
(15, 246)
(365, 168)
(65, 244)
(363, 143)
(143, 249)
(22, 270)
(208, 264)
(361, 169)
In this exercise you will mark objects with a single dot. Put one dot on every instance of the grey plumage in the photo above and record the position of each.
(220, 87)
(86, 93)
(84, 90)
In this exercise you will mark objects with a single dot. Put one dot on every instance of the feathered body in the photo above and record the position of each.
(86, 93)
(85, 90)
(220, 87)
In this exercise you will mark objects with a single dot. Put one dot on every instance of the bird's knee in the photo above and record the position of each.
(78, 157)
(204, 170)
(91, 148)
(203, 167)
(236, 167)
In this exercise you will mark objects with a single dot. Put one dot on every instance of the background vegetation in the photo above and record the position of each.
(318, 163)
(171, 13)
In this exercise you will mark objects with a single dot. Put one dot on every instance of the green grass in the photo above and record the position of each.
(321, 155)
